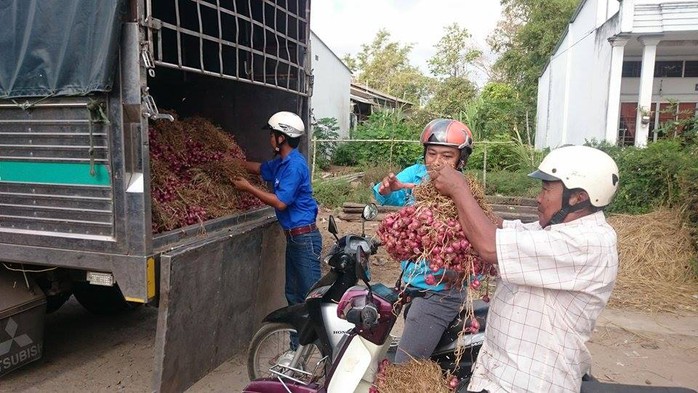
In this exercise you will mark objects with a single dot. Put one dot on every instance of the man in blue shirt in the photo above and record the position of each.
(292, 198)
(447, 142)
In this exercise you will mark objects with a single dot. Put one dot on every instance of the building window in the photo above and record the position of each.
(691, 69)
(668, 69)
(631, 69)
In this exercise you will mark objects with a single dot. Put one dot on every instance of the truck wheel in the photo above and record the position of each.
(270, 347)
(54, 298)
(101, 300)
(54, 302)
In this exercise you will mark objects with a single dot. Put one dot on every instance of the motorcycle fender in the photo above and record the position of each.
(351, 368)
(296, 315)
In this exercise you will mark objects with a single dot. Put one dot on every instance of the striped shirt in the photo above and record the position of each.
(552, 285)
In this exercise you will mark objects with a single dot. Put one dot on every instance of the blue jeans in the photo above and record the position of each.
(302, 268)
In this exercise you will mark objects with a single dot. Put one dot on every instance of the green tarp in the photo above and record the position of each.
(58, 47)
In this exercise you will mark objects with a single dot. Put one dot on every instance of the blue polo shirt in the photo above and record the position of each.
(416, 272)
(291, 179)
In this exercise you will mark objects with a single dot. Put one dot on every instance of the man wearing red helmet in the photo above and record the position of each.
(447, 142)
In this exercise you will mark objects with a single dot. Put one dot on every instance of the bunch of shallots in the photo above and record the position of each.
(430, 231)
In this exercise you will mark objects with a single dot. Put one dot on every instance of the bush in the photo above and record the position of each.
(332, 193)
(508, 183)
(505, 154)
(386, 125)
(650, 177)
(345, 155)
(326, 128)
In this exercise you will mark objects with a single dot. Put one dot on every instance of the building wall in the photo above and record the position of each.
(332, 81)
(589, 73)
(556, 100)
(542, 113)
(574, 88)
(577, 77)
(653, 16)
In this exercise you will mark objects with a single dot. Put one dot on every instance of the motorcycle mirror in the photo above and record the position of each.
(370, 212)
(332, 227)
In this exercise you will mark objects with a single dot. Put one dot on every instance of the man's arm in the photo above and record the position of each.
(479, 229)
(266, 197)
(392, 190)
(252, 167)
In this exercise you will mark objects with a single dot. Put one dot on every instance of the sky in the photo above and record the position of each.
(344, 25)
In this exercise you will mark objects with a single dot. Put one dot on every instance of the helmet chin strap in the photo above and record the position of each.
(561, 214)
(277, 149)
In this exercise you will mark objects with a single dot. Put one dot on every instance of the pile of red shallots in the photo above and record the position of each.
(429, 231)
(192, 164)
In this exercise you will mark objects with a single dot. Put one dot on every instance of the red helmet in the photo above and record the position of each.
(448, 132)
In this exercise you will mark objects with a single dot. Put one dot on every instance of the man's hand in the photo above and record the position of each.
(447, 180)
(242, 184)
(390, 183)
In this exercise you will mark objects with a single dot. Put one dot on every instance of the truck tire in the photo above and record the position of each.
(272, 341)
(54, 302)
(101, 300)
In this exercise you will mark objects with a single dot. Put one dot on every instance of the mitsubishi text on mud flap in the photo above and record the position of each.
(79, 89)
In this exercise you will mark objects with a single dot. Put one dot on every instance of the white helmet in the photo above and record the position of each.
(287, 123)
(583, 167)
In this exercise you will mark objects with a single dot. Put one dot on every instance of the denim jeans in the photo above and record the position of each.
(302, 268)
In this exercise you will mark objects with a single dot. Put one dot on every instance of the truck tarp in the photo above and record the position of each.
(58, 47)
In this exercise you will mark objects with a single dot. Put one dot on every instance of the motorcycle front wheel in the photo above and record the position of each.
(271, 346)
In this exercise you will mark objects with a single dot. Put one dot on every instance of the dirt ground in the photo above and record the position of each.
(87, 353)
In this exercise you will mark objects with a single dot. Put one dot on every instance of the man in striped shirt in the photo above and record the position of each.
(555, 275)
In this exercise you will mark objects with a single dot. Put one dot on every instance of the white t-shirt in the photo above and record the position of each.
(552, 285)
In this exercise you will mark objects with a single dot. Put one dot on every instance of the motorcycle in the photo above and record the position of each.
(322, 328)
(350, 328)
(271, 353)
(373, 309)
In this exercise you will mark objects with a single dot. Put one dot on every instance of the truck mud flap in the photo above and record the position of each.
(214, 295)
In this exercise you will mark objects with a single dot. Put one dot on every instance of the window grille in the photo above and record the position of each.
(261, 42)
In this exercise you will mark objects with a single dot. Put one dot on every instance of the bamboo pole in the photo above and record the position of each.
(312, 170)
(484, 170)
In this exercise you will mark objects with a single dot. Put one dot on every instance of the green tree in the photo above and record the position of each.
(350, 62)
(526, 36)
(450, 65)
(384, 65)
(501, 112)
(454, 54)
(451, 97)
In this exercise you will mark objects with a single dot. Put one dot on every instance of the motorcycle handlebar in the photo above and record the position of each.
(375, 243)
(366, 317)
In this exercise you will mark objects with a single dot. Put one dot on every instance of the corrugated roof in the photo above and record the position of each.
(365, 91)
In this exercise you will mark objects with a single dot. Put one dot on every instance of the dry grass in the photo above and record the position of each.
(413, 376)
(656, 263)
(426, 194)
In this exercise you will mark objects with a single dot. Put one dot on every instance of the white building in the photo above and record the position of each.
(331, 86)
(616, 57)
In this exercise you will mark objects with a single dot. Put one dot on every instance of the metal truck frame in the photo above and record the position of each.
(75, 203)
